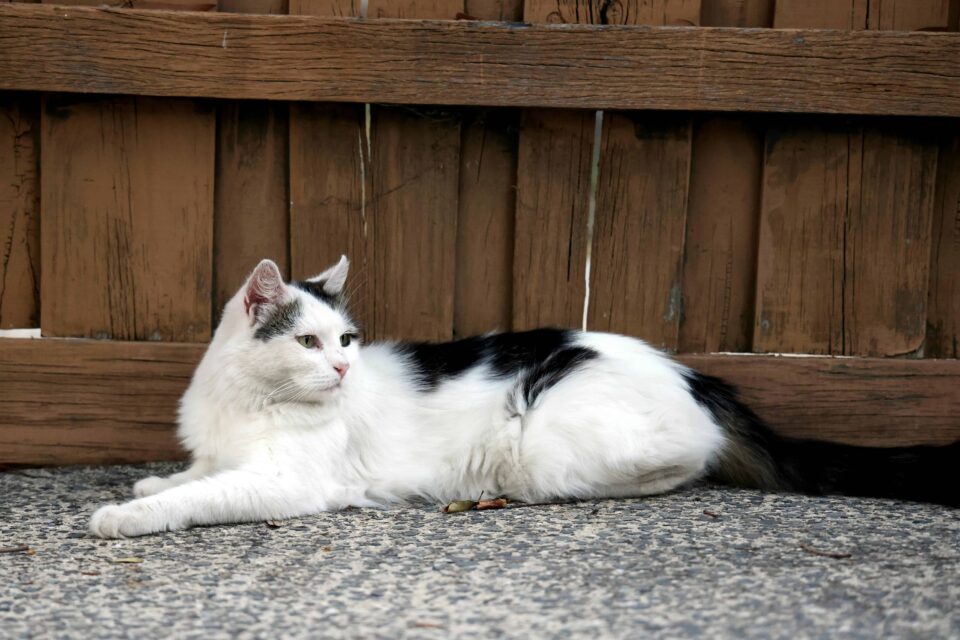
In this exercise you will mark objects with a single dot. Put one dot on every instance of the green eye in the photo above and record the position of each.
(345, 339)
(308, 342)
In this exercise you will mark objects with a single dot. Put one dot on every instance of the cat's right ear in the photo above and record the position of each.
(264, 289)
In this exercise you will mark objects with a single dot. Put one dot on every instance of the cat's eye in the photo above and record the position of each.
(346, 339)
(308, 342)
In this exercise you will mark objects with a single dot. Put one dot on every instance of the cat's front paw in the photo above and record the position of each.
(150, 486)
(118, 521)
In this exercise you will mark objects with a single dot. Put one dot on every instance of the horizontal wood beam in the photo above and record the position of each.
(165, 53)
(88, 401)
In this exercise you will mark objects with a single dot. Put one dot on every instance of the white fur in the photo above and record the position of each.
(274, 433)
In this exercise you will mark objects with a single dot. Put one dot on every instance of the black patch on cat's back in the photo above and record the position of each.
(558, 366)
(279, 321)
(506, 353)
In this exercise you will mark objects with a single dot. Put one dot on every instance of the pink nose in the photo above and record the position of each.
(341, 369)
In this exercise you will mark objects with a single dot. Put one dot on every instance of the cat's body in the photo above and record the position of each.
(287, 415)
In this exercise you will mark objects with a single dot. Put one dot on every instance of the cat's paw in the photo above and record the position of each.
(118, 521)
(151, 486)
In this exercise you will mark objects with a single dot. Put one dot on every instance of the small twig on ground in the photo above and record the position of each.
(20, 548)
(712, 514)
(826, 554)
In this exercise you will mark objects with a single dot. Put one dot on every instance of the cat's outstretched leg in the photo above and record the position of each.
(231, 496)
(155, 484)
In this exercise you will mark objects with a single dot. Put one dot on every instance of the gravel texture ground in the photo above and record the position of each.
(704, 562)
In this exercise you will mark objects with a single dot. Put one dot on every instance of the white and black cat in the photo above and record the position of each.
(288, 415)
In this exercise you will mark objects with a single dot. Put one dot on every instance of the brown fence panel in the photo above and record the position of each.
(943, 316)
(127, 196)
(20, 210)
(487, 200)
(845, 231)
(719, 269)
(251, 203)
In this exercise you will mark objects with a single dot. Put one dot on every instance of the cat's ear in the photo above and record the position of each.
(333, 279)
(263, 289)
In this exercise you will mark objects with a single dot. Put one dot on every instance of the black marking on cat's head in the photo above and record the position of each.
(278, 320)
(316, 289)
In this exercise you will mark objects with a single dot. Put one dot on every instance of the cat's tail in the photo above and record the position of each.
(754, 456)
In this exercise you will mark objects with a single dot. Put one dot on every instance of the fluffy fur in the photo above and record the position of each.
(288, 415)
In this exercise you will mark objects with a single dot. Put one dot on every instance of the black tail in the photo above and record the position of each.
(755, 456)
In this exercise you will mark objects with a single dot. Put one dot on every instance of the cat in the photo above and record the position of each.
(288, 415)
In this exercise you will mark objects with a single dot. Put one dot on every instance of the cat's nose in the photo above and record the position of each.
(341, 368)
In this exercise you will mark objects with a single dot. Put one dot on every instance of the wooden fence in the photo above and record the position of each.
(788, 184)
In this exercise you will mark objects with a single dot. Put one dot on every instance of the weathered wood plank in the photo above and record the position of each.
(485, 226)
(553, 201)
(943, 315)
(483, 298)
(81, 49)
(720, 253)
(127, 197)
(116, 401)
(643, 172)
(251, 204)
(414, 171)
(638, 235)
(19, 211)
(800, 259)
(888, 241)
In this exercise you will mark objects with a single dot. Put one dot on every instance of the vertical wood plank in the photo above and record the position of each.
(127, 197)
(553, 208)
(889, 234)
(330, 184)
(553, 194)
(251, 205)
(19, 211)
(877, 187)
(820, 14)
(943, 313)
(485, 226)
(127, 223)
(800, 253)
(639, 230)
(888, 240)
(719, 270)
(393, 201)
(483, 298)
(943, 318)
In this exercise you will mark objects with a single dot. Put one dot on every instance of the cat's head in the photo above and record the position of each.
(293, 342)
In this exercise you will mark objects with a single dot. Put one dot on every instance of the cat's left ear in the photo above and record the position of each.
(333, 279)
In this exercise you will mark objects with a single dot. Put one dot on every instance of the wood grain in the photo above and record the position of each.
(127, 197)
(888, 240)
(251, 204)
(641, 205)
(116, 401)
(485, 226)
(483, 294)
(81, 49)
(553, 201)
(638, 236)
(943, 315)
(19, 211)
(800, 259)
(91, 401)
(723, 210)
